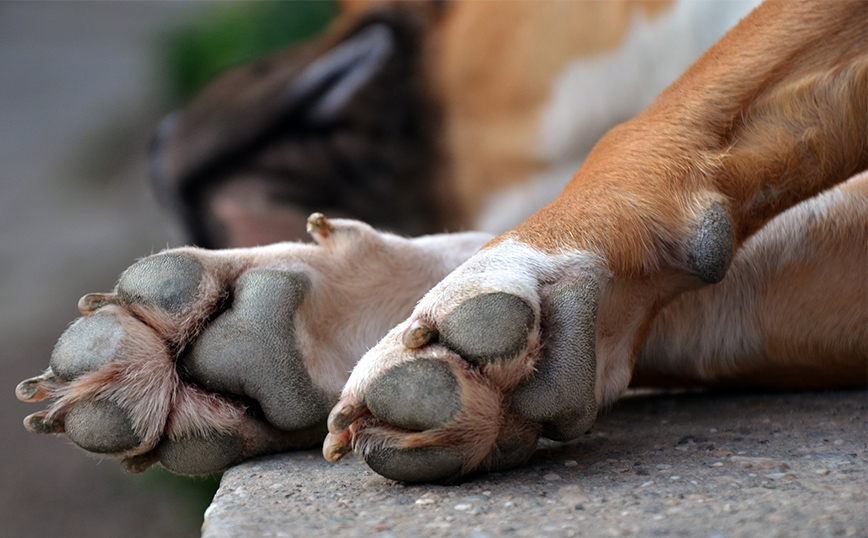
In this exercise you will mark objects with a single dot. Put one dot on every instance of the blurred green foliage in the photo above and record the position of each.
(236, 32)
(196, 492)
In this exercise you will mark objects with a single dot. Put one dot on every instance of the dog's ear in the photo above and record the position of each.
(348, 124)
(327, 86)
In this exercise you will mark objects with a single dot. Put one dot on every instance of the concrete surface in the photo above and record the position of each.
(692, 465)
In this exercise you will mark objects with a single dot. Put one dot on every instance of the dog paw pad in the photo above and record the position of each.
(418, 395)
(200, 454)
(101, 426)
(710, 249)
(252, 350)
(86, 346)
(414, 465)
(487, 328)
(165, 281)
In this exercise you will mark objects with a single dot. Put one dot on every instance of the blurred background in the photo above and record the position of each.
(82, 85)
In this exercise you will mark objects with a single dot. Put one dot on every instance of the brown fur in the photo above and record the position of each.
(772, 115)
(791, 313)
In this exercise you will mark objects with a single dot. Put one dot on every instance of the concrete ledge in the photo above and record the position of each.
(713, 465)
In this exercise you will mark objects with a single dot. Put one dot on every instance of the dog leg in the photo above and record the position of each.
(200, 359)
(791, 313)
(772, 115)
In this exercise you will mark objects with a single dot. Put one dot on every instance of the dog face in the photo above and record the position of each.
(418, 117)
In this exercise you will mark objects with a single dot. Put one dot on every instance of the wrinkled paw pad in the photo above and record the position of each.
(166, 281)
(252, 350)
(418, 395)
(488, 328)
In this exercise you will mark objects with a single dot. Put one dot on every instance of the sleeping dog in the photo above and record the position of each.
(719, 238)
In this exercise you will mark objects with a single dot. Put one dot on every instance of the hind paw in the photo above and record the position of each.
(201, 359)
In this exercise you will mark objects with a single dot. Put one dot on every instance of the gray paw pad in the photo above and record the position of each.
(198, 455)
(101, 426)
(709, 251)
(487, 328)
(166, 281)
(251, 350)
(418, 395)
(414, 465)
(561, 392)
(86, 346)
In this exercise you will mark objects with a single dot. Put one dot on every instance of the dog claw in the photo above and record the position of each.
(34, 390)
(418, 334)
(94, 301)
(36, 423)
(318, 224)
(344, 413)
(336, 446)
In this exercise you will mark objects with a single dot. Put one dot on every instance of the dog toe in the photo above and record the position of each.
(199, 454)
(418, 395)
(415, 464)
(487, 328)
(87, 345)
(101, 427)
(168, 281)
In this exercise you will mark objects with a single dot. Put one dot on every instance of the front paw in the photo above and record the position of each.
(499, 353)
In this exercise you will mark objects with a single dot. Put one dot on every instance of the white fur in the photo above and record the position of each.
(592, 95)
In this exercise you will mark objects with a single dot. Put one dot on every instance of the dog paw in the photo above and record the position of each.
(501, 352)
(200, 359)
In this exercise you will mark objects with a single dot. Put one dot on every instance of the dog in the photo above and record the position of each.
(719, 238)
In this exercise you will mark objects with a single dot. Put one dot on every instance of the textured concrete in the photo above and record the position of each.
(697, 465)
